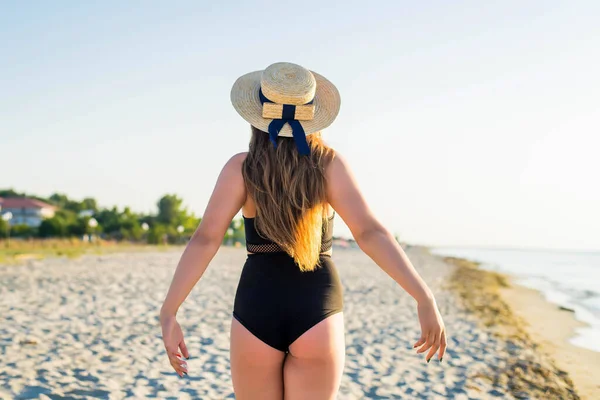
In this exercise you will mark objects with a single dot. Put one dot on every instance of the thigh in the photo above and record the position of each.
(256, 368)
(315, 363)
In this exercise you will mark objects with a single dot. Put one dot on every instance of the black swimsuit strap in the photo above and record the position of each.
(258, 244)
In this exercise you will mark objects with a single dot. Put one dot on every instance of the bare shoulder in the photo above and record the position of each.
(238, 159)
(234, 164)
(337, 167)
(345, 196)
(341, 185)
(231, 173)
(226, 200)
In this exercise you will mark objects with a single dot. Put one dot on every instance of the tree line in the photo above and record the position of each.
(172, 223)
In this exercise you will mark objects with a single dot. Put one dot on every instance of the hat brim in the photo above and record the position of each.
(246, 101)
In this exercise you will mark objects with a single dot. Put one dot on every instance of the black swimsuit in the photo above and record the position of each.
(276, 301)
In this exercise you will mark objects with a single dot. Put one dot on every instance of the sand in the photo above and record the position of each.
(88, 328)
(552, 328)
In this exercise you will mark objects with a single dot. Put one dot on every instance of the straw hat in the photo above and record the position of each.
(285, 90)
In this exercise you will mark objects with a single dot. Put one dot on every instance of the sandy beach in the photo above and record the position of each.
(552, 327)
(88, 328)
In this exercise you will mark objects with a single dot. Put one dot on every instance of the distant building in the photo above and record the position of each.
(86, 213)
(26, 211)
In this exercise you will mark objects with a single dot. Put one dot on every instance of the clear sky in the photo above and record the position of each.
(466, 122)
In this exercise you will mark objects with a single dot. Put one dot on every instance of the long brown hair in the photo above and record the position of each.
(289, 191)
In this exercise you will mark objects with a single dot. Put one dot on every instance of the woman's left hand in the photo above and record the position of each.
(433, 331)
(173, 340)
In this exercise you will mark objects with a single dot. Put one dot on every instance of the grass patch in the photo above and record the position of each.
(19, 251)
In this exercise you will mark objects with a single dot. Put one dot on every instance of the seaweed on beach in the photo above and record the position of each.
(528, 371)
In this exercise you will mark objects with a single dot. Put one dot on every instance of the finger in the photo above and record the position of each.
(434, 347)
(419, 342)
(178, 363)
(428, 344)
(184, 349)
(176, 358)
(179, 367)
(442, 345)
(431, 353)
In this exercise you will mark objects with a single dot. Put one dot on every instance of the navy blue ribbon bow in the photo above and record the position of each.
(288, 116)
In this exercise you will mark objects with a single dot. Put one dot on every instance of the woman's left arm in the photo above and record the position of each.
(225, 202)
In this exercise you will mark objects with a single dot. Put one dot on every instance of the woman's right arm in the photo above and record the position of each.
(379, 244)
(226, 200)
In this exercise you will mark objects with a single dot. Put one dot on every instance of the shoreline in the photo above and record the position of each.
(525, 319)
(553, 328)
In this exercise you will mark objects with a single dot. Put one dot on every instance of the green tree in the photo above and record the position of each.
(23, 231)
(59, 199)
(117, 225)
(3, 229)
(130, 225)
(81, 226)
(9, 193)
(190, 224)
(65, 203)
(89, 204)
(61, 225)
(235, 233)
(113, 223)
(109, 219)
(170, 212)
(239, 232)
(157, 233)
(53, 227)
(69, 217)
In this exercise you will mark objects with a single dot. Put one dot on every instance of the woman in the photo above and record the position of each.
(287, 330)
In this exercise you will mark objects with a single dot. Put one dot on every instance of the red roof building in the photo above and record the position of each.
(26, 211)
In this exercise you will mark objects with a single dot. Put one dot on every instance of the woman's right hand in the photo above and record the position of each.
(433, 331)
(173, 341)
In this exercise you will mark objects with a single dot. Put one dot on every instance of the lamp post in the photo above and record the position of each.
(92, 223)
(230, 236)
(7, 216)
(145, 228)
(180, 230)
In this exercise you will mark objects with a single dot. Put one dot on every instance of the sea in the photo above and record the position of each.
(566, 278)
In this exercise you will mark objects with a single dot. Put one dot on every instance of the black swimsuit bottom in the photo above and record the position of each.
(276, 301)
